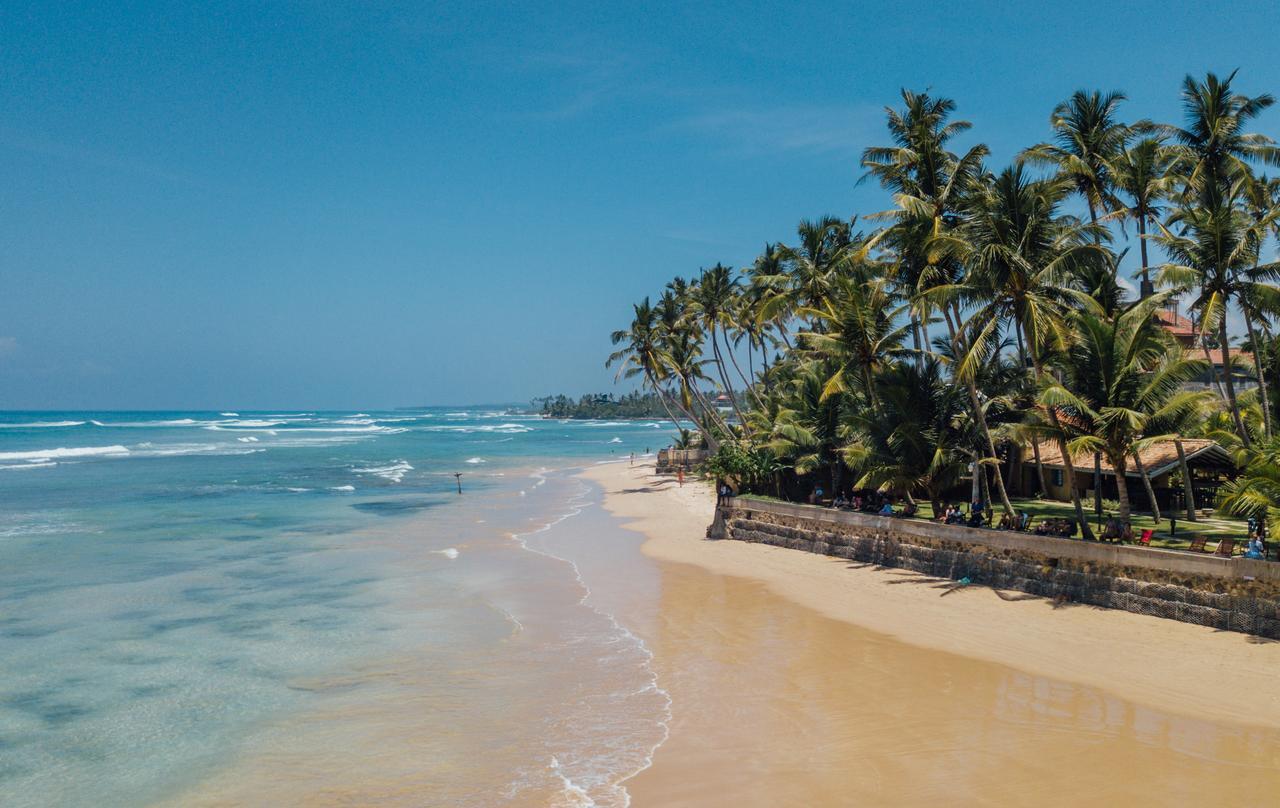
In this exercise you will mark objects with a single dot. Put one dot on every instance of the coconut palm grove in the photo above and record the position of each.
(1111, 291)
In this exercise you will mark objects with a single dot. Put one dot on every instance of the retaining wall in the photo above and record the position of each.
(1233, 594)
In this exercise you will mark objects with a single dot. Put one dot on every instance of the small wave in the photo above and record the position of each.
(40, 424)
(249, 439)
(33, 465)
(297, 490)
(448, 552)
(229, 414)
(475, 461)
(616, 440)
(63, 451)
(394, 472)
(343, 488)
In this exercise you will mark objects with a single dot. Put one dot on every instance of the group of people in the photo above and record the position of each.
(979, 515)
(876, 502)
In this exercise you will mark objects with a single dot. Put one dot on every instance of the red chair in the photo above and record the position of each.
(1145, 538)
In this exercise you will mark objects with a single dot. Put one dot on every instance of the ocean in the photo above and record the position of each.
(194, 604)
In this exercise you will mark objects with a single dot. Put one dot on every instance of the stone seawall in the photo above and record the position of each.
(1229, 594)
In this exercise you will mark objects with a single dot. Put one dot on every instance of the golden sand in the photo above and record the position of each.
(799, 679)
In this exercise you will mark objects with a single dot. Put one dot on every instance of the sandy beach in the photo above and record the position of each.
(796, 679)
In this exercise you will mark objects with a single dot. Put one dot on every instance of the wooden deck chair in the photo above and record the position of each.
(1197, 544)
(1226, 548)
(1145, 538)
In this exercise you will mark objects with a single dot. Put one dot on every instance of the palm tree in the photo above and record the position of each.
(712, 304)
(1140, 174)
(1021, 255)
(1214, 245)
(1121, 374)
(1087, 138)
(927, 182)
(1258, 300)
(915, 440)
(1212, 150)
(859, 329)
(643, 354)
(1256, 492)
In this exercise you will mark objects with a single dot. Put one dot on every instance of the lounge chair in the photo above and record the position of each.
(1145, 538)
(1226, 548)
(1197, 544)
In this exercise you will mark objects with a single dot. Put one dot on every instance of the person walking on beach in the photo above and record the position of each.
(680, 477)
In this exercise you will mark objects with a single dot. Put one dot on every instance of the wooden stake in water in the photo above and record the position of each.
(457, 475)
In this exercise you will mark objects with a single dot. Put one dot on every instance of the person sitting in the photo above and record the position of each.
(1007, 522)
(910, 509)
(954, 516)
(839, 501)
(975, 516)
(1256, 549)
(886, 509)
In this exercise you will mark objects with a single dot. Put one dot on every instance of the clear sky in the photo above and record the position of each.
(331, 205)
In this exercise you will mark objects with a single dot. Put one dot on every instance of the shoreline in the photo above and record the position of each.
(1163, 664)
(796, 680)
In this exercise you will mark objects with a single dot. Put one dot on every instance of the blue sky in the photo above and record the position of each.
(330, 205)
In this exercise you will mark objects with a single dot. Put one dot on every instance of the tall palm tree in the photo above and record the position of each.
(1212, 150)
(1121, 374)
(927, 181)
(1087, 137)
(1021, 254)
(713, 301)
(1212, 244)
(642, 354)
(1258, 300)
(1140, 174)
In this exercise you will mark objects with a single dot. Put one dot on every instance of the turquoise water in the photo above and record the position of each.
(179, 591)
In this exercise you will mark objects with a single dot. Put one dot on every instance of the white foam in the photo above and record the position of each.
(298, 490)
(39, 424)
(448, 552)
(394, 472)
(39, 465)
(616, 440)
(229, 414)
(343, 488)
(475, 461)
(249, 439)
(61, 452)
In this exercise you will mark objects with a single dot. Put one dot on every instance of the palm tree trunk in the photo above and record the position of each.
(1122, 486)
(975, 487)
(1146, 483)
(709, 441)
(1188, 490)
(1260, 370)
(1068, 467)
(1044, 481)
(980, 418)
(1231, 388)
(724, 377)
(745, 382)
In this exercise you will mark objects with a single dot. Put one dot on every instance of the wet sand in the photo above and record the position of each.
(798, 680)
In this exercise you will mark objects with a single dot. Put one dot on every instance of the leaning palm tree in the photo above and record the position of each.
(643, 354)
(1121, 374)
(1087, 138)
(1258, 299)
(713, 301)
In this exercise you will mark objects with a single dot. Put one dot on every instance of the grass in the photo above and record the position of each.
(1214, 527)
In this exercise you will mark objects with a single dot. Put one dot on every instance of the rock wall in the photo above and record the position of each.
(1228, 594)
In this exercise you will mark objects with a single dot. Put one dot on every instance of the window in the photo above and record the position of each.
(1057, 476)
